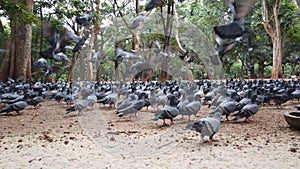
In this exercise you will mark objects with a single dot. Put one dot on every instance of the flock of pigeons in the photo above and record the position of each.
(59, 43)
(227, 37)
(240, 99)
(232, 98)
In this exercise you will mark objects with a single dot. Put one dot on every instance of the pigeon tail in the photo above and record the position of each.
(69, 110)
(7, 109)
(157, 118)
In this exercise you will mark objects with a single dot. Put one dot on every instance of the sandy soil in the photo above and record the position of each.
(47, 138)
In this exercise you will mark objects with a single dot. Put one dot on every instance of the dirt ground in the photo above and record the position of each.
(97, 138)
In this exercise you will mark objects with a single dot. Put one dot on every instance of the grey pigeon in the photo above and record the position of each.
(192, 107)
(137, 21)
(168, 112)
(97, 57)
(153, 4)
(17, 107)
(208, 126)
(35, 101)
(133, 108)
(140, 66)
(235, 29)
(61, 57)
(126, 102)
(248, 110)
(228, 106)
(84, 19)
(125, 56)
(79, 106)
(183, 101)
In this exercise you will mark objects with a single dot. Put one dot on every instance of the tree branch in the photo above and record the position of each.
(266, 20)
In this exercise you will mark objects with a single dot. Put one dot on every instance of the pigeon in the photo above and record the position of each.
(248, 110)
(125, 56)
(228, 106)
(35, 101)
(43, 63)
(154, 4)
(126, 102)
(79, 106)
(235, 29)
(208, 126)
(244, 101)
(17, 107)
(168, 112)
(157, 46)
(84, 19)
(182, 57)
(61, 57)
(134, 107)
(137, 21)
(161, 100)
(97, 57)
(58, 44)
(140, 66)
(189, 60)
(80, 43)
(183, 101)
(192, 107)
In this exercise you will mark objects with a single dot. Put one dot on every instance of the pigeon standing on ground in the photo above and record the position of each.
(168, 112)
(192, 108)
(17, 107)
(134, 107)
(208, 126)
(35, 101)
(248, 110)
(79, 106)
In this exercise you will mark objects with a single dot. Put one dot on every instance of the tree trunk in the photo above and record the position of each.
(261, 68)
(17, 61)
(163, 75)
(81, 67)
(275, 33)
(98, 65)
(89, 56)
(295, 3)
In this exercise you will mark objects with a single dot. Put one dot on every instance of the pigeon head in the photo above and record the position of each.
(198, 125)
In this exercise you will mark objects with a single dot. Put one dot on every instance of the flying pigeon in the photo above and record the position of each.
(235, 29)
(137, 21)
(154, 4)
(84, 19)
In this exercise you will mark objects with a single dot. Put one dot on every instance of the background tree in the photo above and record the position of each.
(17, 61)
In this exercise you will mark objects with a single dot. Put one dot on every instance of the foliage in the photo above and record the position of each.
(203, 14)
(17, 11)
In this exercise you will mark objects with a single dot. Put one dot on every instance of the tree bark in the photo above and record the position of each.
(261, 68)
(275, 32)
(17, 61)
(295, 3)
(89, 56)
